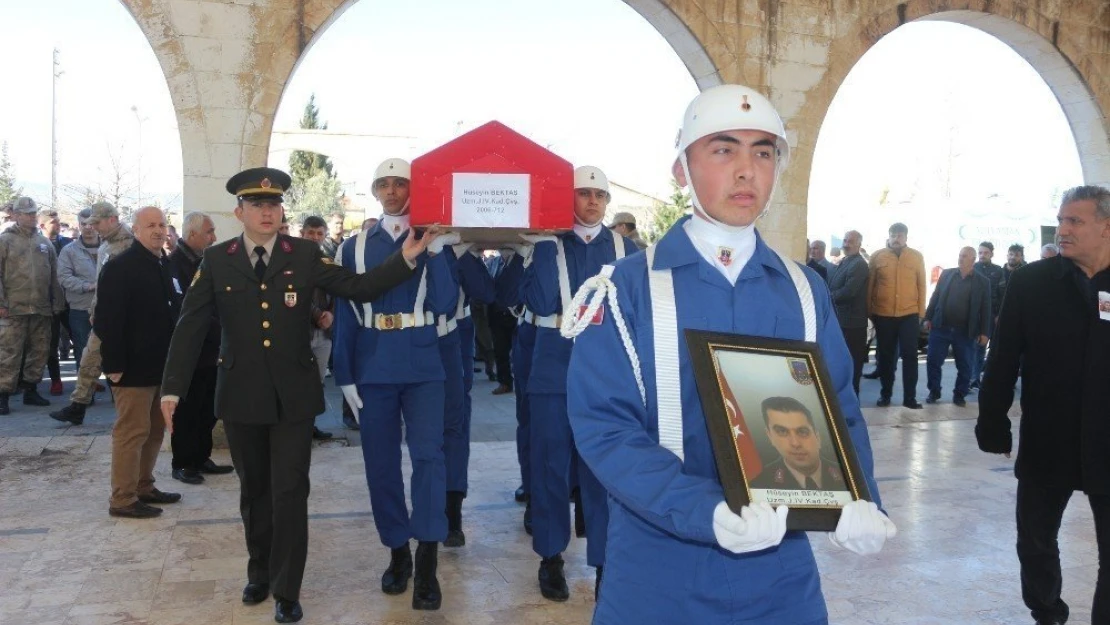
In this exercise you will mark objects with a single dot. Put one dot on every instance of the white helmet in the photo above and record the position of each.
(730, 107)
(590, 177)
(396, 167)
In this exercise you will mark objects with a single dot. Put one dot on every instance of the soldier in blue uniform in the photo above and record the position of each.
(676, 553)
(386, 358)
(456, 348)
(559, 267)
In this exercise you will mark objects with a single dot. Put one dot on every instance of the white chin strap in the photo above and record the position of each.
(705, 214)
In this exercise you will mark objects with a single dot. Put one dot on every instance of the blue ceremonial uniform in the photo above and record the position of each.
(457, 352)
(399, 373)
(552, 445)
(663, 563)
(508, 286)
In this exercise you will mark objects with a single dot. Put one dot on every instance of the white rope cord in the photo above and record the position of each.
(601, 286)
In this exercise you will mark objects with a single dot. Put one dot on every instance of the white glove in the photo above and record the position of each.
(757, 527)
(461, 248)
(862, 528)
(538, 238)
(442, 241)
(350, 395)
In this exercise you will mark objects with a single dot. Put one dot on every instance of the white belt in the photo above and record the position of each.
(445, 326)
(465, 313)
(401, 321)
(550, 321)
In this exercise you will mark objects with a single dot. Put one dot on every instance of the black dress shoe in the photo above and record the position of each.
(320, 435)
(874, 375)
(211, 468)
(912, 404)
(73, 413)
(253, 594)
(425, 587)
(395, 580)
(883, 402)
(189, 476)
(287, 611)
(137, 510)
(553, 583)
(31, 397)
(932, 398)
(520, 496)
(157, 496)
(959, 401)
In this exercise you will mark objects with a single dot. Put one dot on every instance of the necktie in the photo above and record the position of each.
(260, 265)
(810, 484)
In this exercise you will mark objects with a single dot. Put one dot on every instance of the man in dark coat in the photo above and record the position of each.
(958, 316)
(1054, 329)
(268, 387)
(136, 307)
(993, 274)
(848, 288)
(195, 417)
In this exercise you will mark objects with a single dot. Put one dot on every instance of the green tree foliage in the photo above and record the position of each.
(316, 188)
(8, 190)
(667, 214)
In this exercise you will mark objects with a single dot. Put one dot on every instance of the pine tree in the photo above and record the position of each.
(316, 188)
(667, 214)
(8, 190)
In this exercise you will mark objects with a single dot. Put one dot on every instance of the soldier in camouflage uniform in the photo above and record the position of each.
(115, 238)
(30, 296)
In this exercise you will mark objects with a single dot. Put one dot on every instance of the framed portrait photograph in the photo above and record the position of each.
(777, 430)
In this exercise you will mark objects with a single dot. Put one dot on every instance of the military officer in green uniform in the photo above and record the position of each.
(268, 389)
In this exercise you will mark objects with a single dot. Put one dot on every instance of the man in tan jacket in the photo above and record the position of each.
(896, 301)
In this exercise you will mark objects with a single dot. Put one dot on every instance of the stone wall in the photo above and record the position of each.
(227, 63)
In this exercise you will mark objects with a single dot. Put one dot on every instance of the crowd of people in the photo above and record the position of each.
(247, 331)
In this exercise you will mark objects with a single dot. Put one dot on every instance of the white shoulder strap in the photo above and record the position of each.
(805, 294)
(461, 308)
(618, 245)
(421, 295)
(367, 312)
(564, 276)
(664, 322)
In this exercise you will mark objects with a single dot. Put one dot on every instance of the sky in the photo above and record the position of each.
(590, 79)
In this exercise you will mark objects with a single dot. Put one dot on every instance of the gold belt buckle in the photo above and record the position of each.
(392, 322)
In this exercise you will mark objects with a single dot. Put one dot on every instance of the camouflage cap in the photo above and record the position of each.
(102, 210)
(623, 218)
(25, 205)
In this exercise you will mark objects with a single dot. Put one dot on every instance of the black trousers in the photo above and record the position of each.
(191, 440)
(272, 462)
(502, 325)
(856, 338)
(60, 320)
(897, 336)
(1039, 510)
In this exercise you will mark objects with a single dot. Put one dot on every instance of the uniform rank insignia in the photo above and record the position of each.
(234, 247)
(599, 314)
(724, 255)
(291, 299)
(780, 476)
(286, 246)
(287, 272)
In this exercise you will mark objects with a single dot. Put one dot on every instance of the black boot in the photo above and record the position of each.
(455, 536)
(73, 413)
(597, 583)
(553, 583)
(31, 397)
(4, 409)
(425, 586)
(579, 516)
(395, 580)
(528, 518)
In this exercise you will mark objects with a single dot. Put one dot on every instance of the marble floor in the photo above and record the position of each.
(63, 560)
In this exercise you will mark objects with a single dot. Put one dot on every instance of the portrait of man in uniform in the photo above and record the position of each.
(802, 461)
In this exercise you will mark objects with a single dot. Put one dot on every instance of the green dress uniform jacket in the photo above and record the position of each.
(267, 372)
